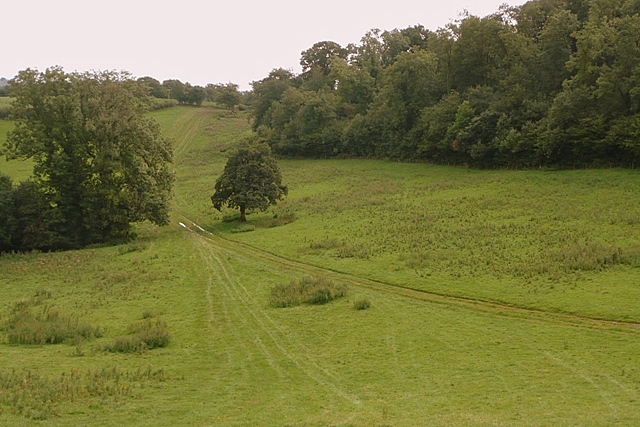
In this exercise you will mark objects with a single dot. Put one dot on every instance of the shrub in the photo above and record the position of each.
(145, 335)
(159, 103)
(361, 304)
(132, 247)
(47, 326)
(308, 290)
(277, 220)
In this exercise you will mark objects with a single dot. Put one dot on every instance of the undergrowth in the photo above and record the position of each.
(146, 334)
(33, 323)
(307, 290)
(35, 395)
(362, 304)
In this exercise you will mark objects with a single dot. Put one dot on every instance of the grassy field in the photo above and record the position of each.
(452, 262)
(19, 170)
(563, 241)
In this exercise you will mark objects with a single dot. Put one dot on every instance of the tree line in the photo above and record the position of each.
(226, 94)
(549, 83)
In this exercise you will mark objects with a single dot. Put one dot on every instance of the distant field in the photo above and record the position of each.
(19, 170)
(532, 239)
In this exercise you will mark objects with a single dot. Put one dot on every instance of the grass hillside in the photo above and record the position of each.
(430, 249)
(550, 240)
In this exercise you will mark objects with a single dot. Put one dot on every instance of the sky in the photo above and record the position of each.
(201, 42)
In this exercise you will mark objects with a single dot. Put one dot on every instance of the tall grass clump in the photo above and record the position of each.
(277, 220)
(35, 395)
(29, 326)
(145, 335)
(362, 304)
(589, 256)
(307, 290)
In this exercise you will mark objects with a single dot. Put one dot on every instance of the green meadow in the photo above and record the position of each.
(496, 298)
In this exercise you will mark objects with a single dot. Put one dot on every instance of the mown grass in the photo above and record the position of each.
(550, 240)
(560, 241)
(408, 361)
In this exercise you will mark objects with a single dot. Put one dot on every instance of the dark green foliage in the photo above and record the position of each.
(35, 395)
(100, 163)
(251, 181)
(548, 83)
(224, 94)
(308, 290)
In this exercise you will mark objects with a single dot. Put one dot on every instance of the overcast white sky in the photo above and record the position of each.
(200, 42)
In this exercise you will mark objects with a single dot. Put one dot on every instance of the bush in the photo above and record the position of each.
(308, 290)
(361, 304)
(146, 335)
(47, 327)
(277, 220)
(159, 103)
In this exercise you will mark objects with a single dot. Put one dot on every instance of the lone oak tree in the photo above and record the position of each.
(251, 180)
(100, 163)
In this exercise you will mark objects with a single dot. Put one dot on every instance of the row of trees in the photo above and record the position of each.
(224, 94)
(551, 82)
(100, 162)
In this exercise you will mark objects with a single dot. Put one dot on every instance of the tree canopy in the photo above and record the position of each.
(100, 163)
(251, 181)
(548, 83)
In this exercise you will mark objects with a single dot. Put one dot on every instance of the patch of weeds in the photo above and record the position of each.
(362, 304)
(36, 396)
(277, 220)
(132, 247)
(243, 228)
(589, 256)
(144, 335)
(46, 326)
(326, 244)
(148, 314)
(415, 260)
(307, 290)
(354, 251)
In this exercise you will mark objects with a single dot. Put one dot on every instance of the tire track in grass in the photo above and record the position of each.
(234, 318)
(272, 324)
(240, 249)
(268, 337)
(505, 310)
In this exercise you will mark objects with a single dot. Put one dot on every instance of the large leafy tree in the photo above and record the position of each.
(251, 181)
(100, 163)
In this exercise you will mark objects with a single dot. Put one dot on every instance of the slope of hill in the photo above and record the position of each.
(413, 358)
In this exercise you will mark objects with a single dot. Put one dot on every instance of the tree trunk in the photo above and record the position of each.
(243, 211)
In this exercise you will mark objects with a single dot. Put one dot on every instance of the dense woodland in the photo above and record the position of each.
(549, 83)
